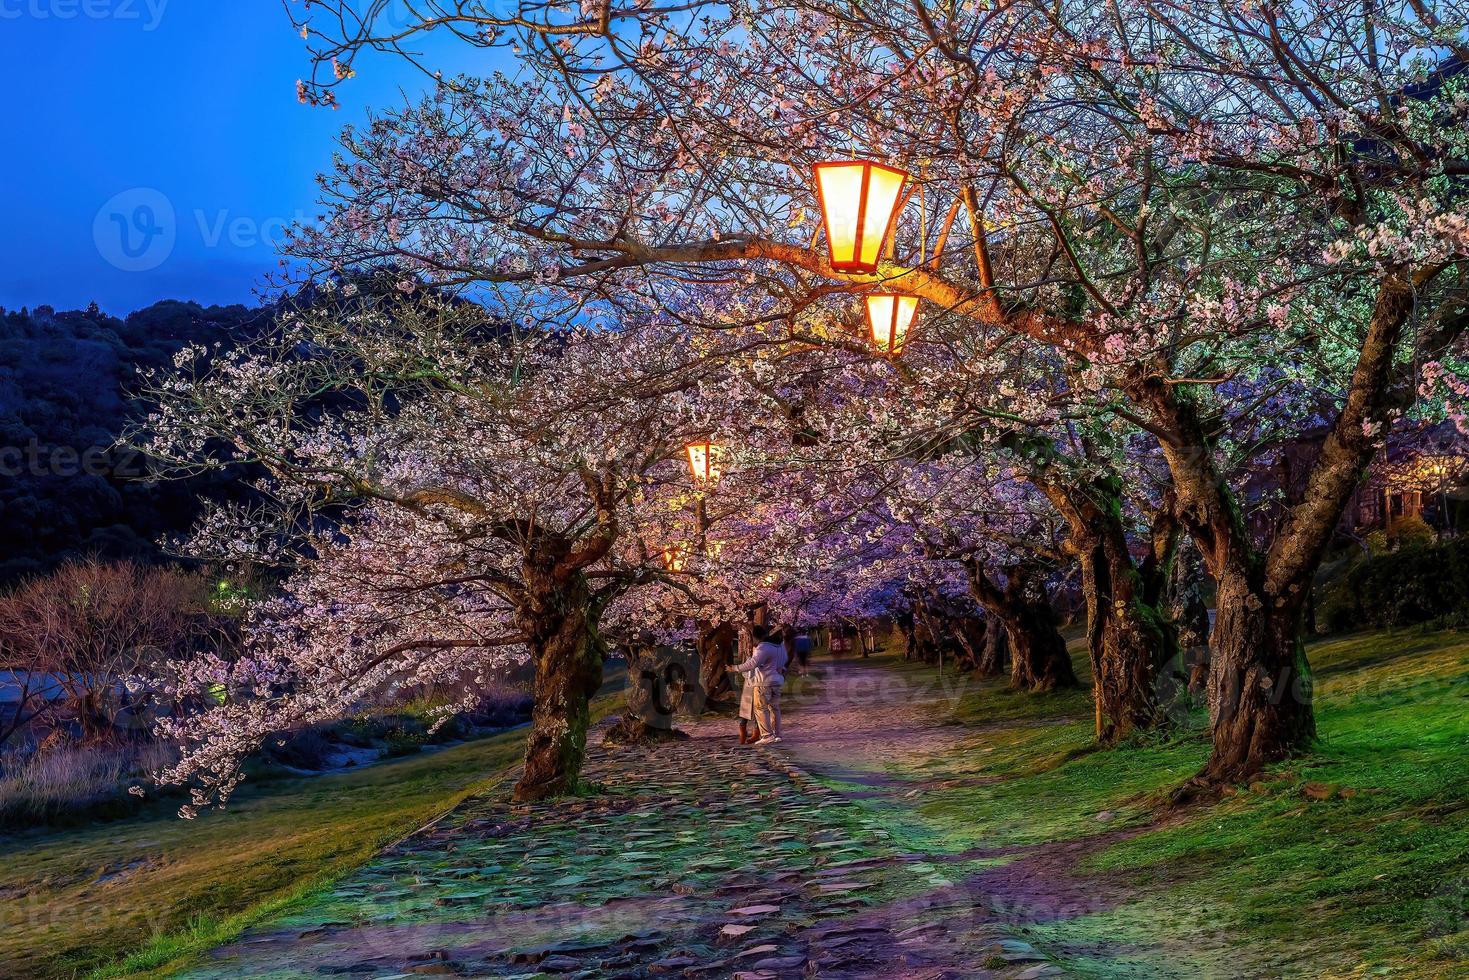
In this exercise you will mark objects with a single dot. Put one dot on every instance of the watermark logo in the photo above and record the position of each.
(136, 230)
(139, 229)
(663, 681)
(148, 13)
(1446, 913)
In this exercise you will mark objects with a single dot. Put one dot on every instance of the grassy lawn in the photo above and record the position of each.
(134, 895)
(1372, 879)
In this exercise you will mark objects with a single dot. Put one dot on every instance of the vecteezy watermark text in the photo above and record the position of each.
(138, 229)
(147, 12)
(37, 459)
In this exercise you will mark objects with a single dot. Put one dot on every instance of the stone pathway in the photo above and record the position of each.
(700, 859)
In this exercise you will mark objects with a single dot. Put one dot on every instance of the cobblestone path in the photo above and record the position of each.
(700, 859)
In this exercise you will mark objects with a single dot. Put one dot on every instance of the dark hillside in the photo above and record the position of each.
(65, 380)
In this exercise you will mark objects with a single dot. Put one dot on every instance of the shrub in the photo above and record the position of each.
(1402, 588)
(88, 626)
(1411, 531)
(306, 748)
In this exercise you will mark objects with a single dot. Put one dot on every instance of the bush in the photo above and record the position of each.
(1411, 531)
(306, 748)
(88, 627)
(1403, 588)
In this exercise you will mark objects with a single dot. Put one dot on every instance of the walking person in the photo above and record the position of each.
(803, 647)
(765, 672)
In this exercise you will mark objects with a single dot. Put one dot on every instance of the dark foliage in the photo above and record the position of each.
(1415, 584)
(66, 491)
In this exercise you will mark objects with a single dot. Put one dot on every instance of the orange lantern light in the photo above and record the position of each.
(890, 317)
(859, 204)
(704, 462)
(675, 557)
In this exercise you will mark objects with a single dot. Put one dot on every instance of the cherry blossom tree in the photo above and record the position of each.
(449, 493)
(1171, 197)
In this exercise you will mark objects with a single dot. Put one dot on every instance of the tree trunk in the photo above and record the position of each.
(1038, 657)
(1190, 616)
(908, 626)
(657, 688)
(568, 673)
(716, 650)
(1039, 660)
(1129, 642)
(991, 661)
(1259, 682)
(970, 637)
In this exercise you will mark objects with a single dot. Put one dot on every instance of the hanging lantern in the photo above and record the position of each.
(704, 462)
(859, 204)
(675, 557)
(890, 316)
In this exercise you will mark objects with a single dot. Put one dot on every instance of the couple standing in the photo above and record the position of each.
(764, 676)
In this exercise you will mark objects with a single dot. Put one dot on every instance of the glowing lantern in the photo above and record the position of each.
(890, 316)
(859, 203)
(675, 557)
(704, 462)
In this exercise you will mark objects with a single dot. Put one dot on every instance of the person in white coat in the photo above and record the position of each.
(765, 672)
(747, 711)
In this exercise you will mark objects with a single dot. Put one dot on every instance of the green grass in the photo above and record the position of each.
(151, 891)
(1374, 878)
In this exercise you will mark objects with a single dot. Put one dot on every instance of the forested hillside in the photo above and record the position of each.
(65, 383)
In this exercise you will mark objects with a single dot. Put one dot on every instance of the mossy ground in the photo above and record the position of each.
(1373, 879)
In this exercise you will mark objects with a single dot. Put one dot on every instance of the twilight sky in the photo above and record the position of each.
(154, 149)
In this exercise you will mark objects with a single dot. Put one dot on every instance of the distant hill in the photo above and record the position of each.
(65, 380)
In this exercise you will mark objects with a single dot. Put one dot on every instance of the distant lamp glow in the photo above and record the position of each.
(704, 462)
(859, 203)
(890, 317)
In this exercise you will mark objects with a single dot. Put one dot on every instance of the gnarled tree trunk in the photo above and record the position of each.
(1190, 616)
(907, 623)
(1127, 642)
(658, 687)
(568, 672)
(716, 647)
(992, 659)
(1128, 638)
(970, 636)
(1038, 658)
(1259, 682)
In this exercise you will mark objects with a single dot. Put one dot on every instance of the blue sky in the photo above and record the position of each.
(154, 148)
